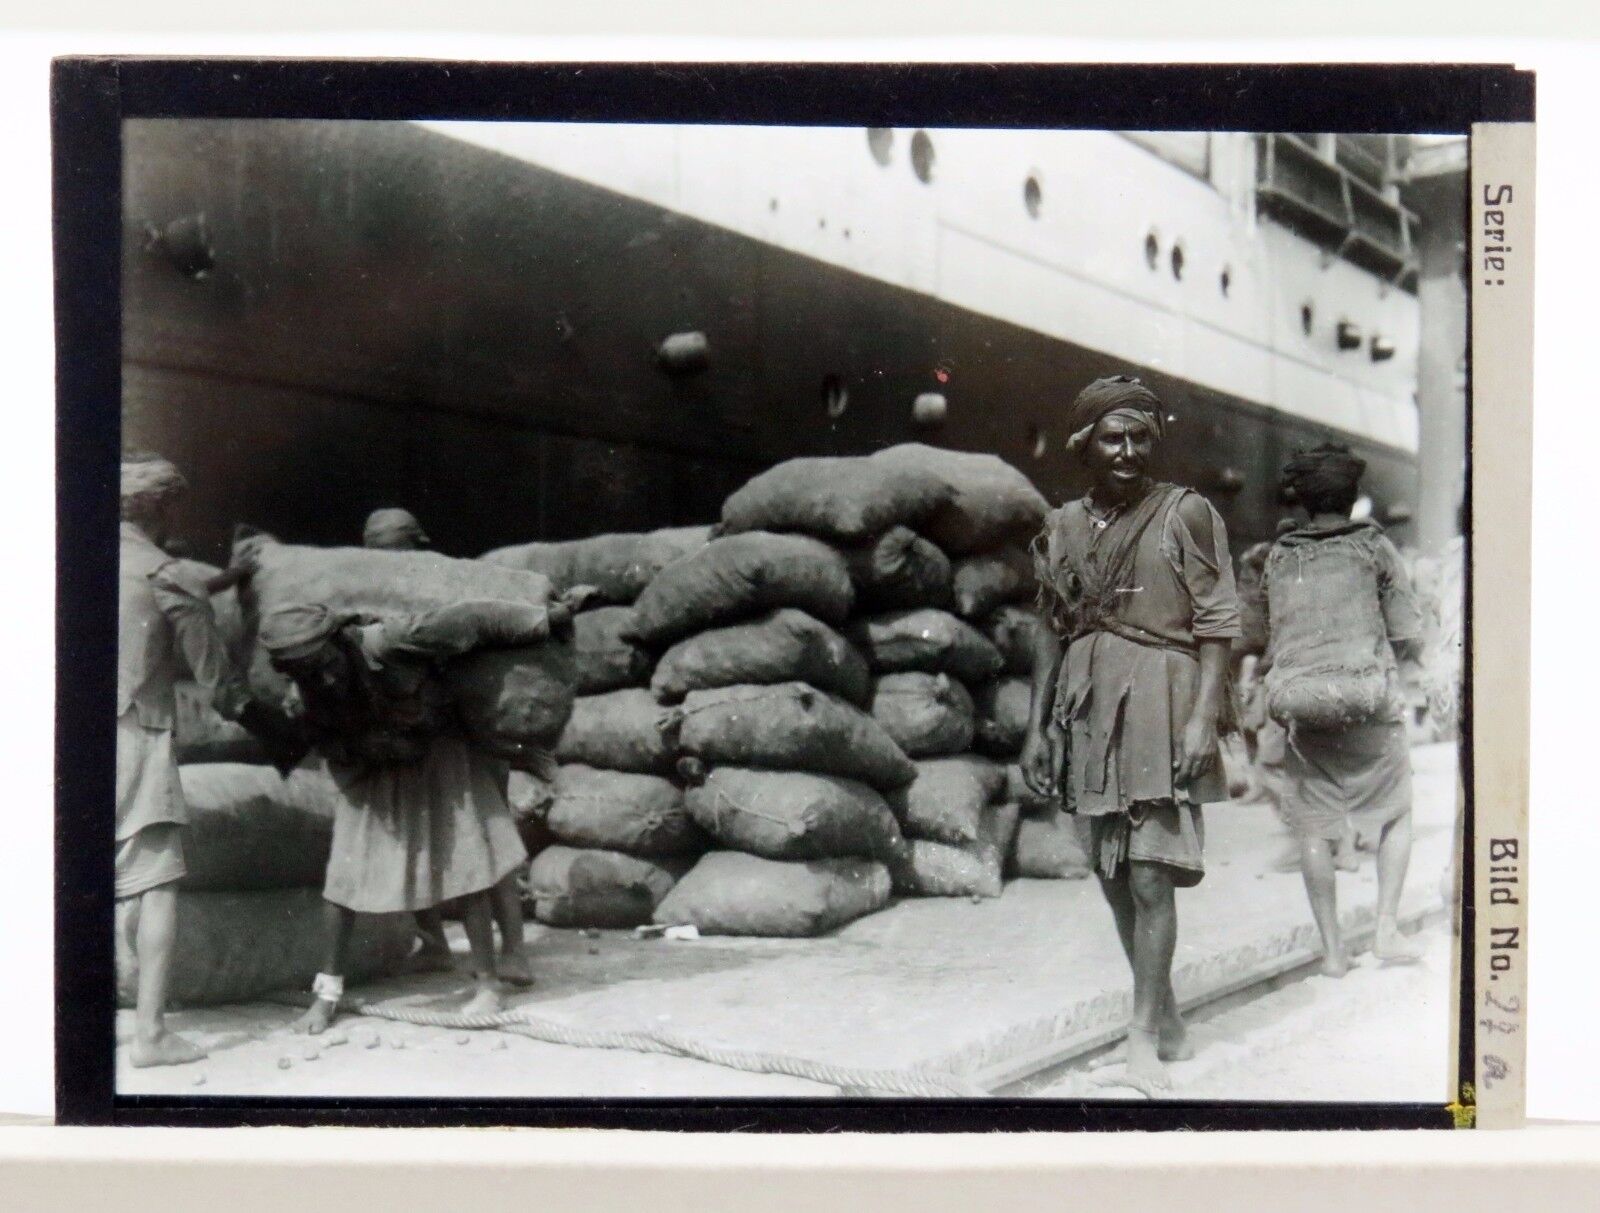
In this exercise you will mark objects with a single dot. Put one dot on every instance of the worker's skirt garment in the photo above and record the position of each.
(411, 837)
(1356, 778)
(1124, 707)
(150, 809)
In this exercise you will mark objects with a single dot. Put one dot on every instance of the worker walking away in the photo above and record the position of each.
(422, 817)
(1341, 615)
(165, 631)
(1136, 580)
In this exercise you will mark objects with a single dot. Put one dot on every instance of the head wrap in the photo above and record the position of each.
(1115, 394)
(148, 479)
(1329, 470)
(292, 632)
(393, 528)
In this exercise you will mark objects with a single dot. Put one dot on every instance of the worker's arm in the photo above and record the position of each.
(187, 607)
(1043, 749)
(1200, 734)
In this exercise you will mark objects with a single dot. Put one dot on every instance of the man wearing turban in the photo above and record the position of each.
(1129, 684)
(165, 628)
(1341, 615)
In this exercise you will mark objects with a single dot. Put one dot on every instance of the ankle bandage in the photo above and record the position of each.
(328, 986)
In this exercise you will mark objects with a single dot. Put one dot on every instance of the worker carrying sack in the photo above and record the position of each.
(737, 576)
(991, 503)
(792, 814)
(620, 731)
(945, 802)
(617, 566)
(842, 498)
(929, 640)
(970, 869)
(1332, 664)
(898, 570)
(730, 893)
(572, 887)
(926, 714)
(621, 811)
(784, 646)
(790, 727)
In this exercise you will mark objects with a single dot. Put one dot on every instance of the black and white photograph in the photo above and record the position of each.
(735, 611)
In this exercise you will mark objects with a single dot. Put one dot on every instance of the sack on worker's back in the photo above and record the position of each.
(515, 703)
(605, 658)
(972, 869)
(926, 714)
(898, 570)
(620, 731)
(621, 811)
(1013, 630)
(991, 502)
(236, 946)
(931, 640)
(1003, 706)
(793, 814)
(250, 828)
(987, 580)
(730, 893)
(841, 498)
(790, 727)
(1051, 845)
(375, 581)
(617, 566)
(945, 802)
(737, 576)
(576, 887)
(785, 645)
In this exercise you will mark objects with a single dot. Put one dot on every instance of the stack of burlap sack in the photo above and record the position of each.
(249, 910)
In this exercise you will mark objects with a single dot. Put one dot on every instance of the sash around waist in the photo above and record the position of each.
(1137, 635)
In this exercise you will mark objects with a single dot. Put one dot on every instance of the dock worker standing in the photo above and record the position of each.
(1130, 682)
(421, 817)
(1341, 615)
(166, 631)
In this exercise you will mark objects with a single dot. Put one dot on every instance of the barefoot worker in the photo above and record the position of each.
(1340, 615)
(165, 630)
(423, 817)
(1138, 584)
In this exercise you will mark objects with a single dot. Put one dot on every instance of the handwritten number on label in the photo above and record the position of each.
(1511, 1008)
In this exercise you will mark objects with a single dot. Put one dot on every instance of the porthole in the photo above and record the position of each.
(922, 157)
(1152, 250)
(1032, 196)
(835, 396)
(880, 142)
(1177, 262)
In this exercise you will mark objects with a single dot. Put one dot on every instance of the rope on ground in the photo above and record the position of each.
(520, 1023)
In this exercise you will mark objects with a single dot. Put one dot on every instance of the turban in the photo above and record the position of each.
(1323, 471)
(393, 528)
(150, 478)
(1116, 394)
(292, 632)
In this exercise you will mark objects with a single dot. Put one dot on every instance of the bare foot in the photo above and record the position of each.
(515, 969)
(1172, 1041)
(1391, 947)
(485, 1000)
(1144, 1072)
(1335, 964)
(162, 1049)
(316, 1020)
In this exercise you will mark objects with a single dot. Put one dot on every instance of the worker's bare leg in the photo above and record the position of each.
(1317, 868)
(337, 924)
(478, 916)
(154, 936)
(1155, 939)
(1394, 857)
(434, 954)
(514, 966)
(1173, 1040)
